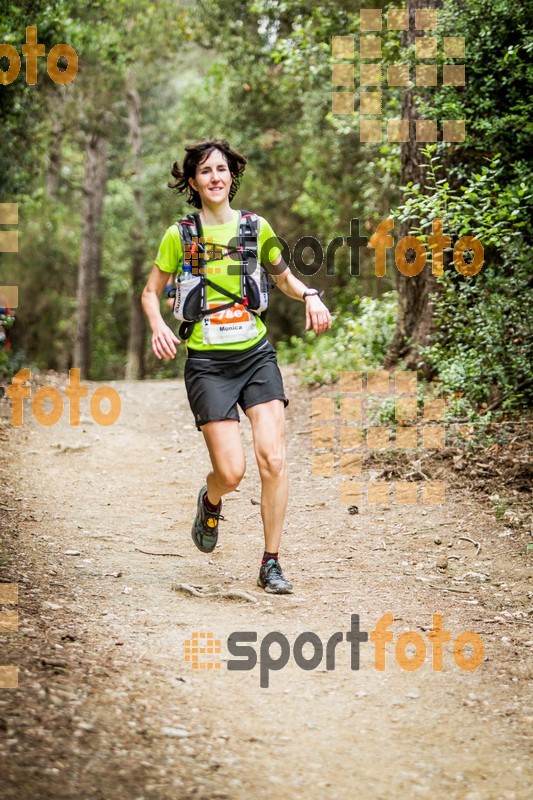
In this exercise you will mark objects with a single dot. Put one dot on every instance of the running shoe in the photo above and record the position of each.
(272, 579)
(205, 526)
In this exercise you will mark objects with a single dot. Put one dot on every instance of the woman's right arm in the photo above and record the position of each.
(163, 338)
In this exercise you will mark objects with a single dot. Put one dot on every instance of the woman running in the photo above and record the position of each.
(230, 362)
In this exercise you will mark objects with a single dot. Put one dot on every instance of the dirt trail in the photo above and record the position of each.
(107, 706)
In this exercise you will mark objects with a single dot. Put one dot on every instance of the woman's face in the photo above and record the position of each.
(213, 179)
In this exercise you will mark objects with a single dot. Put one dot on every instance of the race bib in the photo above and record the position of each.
(235, 324)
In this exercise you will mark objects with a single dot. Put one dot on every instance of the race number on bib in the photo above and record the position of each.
(234, 324)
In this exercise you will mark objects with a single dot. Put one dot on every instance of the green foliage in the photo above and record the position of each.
(482, 345)
(45, 272)
(11, 359)
(10, 362)
(501, 508)
(356, 341)
(22, 106)
(382, 411)
(480, 203)
(482, 348)
(496, 101)
(6, 358)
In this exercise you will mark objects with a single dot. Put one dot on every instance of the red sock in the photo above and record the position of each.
(267, 556)
(210, 506)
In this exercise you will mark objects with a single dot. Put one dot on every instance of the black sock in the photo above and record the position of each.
(267, 556)
(210, 506)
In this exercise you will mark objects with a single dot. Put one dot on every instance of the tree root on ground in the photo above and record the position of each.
(196, 591)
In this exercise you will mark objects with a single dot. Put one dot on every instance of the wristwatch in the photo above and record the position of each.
(309, 293)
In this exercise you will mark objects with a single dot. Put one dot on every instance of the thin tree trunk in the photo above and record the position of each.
(54, 159)
(91, 245)
(58, 104)
(135, 362)
(414, 323)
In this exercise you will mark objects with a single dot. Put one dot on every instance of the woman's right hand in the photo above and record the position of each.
(163, 337)
(163, 342)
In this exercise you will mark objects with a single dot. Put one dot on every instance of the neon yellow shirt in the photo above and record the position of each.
(170, 259)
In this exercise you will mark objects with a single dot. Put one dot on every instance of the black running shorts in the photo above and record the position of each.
(217, 380)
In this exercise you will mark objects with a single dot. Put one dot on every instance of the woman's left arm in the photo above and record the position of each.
(317, 315)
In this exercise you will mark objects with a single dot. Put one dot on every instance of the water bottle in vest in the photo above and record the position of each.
(189, 295)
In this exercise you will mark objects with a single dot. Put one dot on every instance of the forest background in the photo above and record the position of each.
(88, 165)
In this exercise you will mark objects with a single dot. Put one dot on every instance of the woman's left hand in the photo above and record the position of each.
(317, 315)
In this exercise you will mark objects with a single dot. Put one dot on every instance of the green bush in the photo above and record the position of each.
(481, 349)
(7, 360)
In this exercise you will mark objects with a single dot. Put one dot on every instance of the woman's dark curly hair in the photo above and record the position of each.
(195, 155)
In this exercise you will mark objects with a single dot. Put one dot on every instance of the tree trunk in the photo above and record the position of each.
(57, 108)
(135, 362)
(414, 323)
(54, 159)
(91, 245)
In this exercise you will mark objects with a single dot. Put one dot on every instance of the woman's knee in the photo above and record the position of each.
(230, 476)
(271, 463)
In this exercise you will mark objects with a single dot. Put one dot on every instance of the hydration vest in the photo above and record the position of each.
(191, 302)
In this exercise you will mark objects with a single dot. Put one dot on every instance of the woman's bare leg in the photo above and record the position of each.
(223, 441)
(268, 428)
